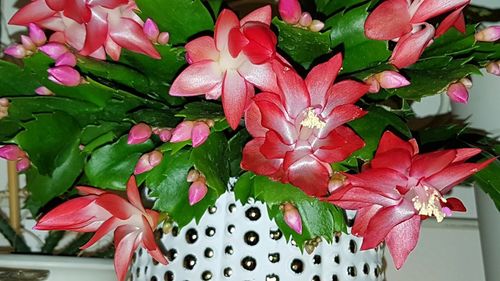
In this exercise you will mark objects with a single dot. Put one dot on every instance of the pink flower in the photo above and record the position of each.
(404, 21)
(94, 28)
(139, 133)
(153, 33)
(54, 50)
(64, 75)
(292, 217)
(148, 162)
(489, 34)
(386, 80)
(290, 11)
(298, 131)
(229, 64)
(399, 189)
(37, 35)
(196, 131)
(493, 68)
(12, 152)
(102, 212)
(43, 91)
(17, 51)
(197, 191)
(68, 59)
(458, 92)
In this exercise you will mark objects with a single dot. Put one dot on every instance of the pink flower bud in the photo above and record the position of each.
(305, 19)
(458, 93)
(11, 152)
(489, 34)
(197, 191)
(290, 11)
(139, 133)
(53, 50)
(151, 30)
(23, 164)
(37, 34)
(193, 176)
(200, 133)
(374, 85)
(292, 217)
(28, 44)
(165, 135)
(493, 68)
(316, 26)
(467, 82)
(16, 51)
(68, 59)
(4, 102)
(64, 75)
(43, 91)
(182, 132)
(391, 79)
(163, 38)
(147, 162)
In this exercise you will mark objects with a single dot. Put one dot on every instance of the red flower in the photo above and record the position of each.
(92, 27)
(404, 21)
(232, 63)
(399, 189)
(101, 212)
(298, 131)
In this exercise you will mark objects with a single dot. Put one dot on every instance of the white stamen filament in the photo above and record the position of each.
(312, 120)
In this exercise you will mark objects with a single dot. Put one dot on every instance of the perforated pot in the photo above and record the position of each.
(235, 242)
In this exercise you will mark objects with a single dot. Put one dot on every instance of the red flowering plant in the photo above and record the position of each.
(309, 112)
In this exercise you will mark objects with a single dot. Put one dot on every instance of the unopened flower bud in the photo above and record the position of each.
(53, 50)
(467, 82)
(43, 91)
(197, 191)
(290, 11)
(37, 34)
(200, 133)
(151, 30)
(23, 164)
(139, 133)
(68, 59)
(391, 79)
(4, 102)
(193, 176)
(16, 51)
(64, 75)
(148, 161)
(163, 38)
(165, 135)
(11, 152)
(374, 85)
(458, 93)
(27, 43)
(493, 68)
(182, 132)
(305, 19)
(316, 26)
(489, 34)
(292, 217)
(336, 181)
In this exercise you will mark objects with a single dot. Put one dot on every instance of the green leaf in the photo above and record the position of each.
(489, 181)
(112, 165)
(347, 33)
(211, 159)
(157, 118)
(236, 144)
(371, 128)
(427, 82)
(10, 76)
(49, 139)
(453, 42)
(202, 110)
(9, 129)
(328, 7)
(181, 18)
(15, 240)
(243, 189)
(215, 5)
(303, 46)
(318, 218)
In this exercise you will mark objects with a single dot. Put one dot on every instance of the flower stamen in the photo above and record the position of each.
(312, 120)
(428, 203)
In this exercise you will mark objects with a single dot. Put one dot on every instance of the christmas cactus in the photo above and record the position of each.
(309, 112)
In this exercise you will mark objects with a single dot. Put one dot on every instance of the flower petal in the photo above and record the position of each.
(455, 19)
(388, 21)
(32, 12)
(261, 46)
(428, 164)
(263, 15)
(116, 205)
(274, 118)
(254, 161)
(390, 141)
(133, 194)
(362, 219)
(97, 30)
(383, 181)
(432, 8)
(260, 75)
(338, 145)
(226, 21)
(110, 225)
(321, 78)
(202, 48)
(344, 92)
(56, 5)
(253, 121)
(294, 91)
(129, 35)
(410, 47)
(125, 243)
(402, 239)
(395, 159)
(309, 175)
(339, 116)
(273, 147)
(197, 79)
(234, 92)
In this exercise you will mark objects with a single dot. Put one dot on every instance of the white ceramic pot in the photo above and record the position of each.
(235, 242)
